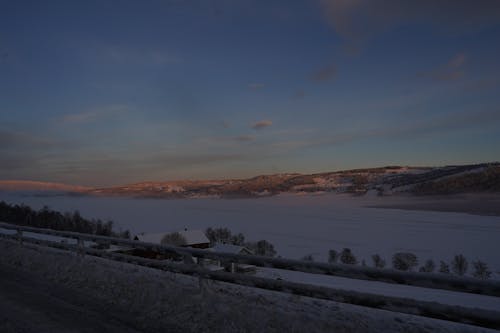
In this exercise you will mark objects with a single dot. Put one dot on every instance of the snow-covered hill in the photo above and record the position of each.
(381, 181)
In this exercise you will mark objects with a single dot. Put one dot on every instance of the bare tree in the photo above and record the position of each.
(378, 262)
(444, 267)
(346, 257)
(404, 261)
(333, 256)
(428, 267)
(481, 270)
(262, 248)
(459, 265)
(224, 235)
(308, 257)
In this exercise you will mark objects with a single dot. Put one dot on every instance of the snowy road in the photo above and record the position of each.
(28, 304)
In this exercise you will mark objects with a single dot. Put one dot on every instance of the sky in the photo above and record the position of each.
(105, 92)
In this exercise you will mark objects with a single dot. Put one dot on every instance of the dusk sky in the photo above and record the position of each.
(112, 92)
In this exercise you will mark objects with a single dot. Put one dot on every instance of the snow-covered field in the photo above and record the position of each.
(301, 225)
(37, 283)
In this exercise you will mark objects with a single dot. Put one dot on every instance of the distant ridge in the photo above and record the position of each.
(484, 177)
(388, 180)
(28, 185)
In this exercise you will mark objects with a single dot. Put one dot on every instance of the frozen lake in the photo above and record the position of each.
(301, 225)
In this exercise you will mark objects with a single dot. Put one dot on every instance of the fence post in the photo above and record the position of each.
(81, 250)
(201, 281)
(19, 235)
(188, 258)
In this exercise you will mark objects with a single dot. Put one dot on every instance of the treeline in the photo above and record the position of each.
(50, 219)
(406, 261)
(487, 180)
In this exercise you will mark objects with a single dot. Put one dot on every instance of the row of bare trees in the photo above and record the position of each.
(407, 261)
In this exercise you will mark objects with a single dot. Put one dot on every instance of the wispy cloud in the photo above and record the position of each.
(451, 71)
(326, 73)
(457, 61)
(94, 114)
(358, 20)
(262, 124)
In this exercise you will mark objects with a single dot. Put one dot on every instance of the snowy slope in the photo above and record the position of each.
(154, 301)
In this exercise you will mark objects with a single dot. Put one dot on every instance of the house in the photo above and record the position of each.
(234, 249)
(191, 238)
(230, 248)
(188, 238)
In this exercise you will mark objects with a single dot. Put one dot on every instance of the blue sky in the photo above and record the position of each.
(110, 92)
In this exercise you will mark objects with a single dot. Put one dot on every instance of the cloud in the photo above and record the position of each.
(324, 74)
(255, 86)
(226, 124)
(299, 94)
(451, 71)
(94, 114)
(262, 124)
(358, 20)
(457, 61)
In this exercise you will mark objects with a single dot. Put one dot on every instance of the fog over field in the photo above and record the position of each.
(302, 225)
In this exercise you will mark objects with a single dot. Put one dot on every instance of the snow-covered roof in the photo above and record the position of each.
(192, 237)
(151, 238)
(230, 248)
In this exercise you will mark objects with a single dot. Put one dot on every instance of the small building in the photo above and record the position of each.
(190, 238)
(193, 238)
(234, 249)
(230, 248)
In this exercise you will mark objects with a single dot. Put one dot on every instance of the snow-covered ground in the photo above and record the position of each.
(388, 289)
(46, 290)
(302, 225)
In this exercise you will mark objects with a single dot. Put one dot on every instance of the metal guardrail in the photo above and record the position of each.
(485, 318)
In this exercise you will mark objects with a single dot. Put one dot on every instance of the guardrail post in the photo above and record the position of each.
(187, 258)
(201, 281)
(19, 235)
(81, 251)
